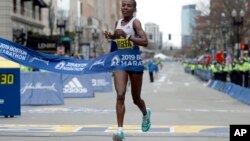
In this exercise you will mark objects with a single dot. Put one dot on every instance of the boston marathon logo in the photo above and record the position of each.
(115, 61)
(69, 66)
(12, 51)
(127, 60)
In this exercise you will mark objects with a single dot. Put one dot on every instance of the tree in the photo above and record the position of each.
(219, 31)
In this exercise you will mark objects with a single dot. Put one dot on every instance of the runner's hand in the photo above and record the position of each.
(119, 33)
(107, 34)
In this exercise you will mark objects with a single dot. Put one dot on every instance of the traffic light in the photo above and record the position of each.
(244, 47)
(169, 36)
(171, 48)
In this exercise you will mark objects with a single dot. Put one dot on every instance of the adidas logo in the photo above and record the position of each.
(74, 86)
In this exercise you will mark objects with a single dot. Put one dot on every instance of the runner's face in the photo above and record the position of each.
(127, 8)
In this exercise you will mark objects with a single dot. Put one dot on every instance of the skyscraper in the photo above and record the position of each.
(154, 35)
(188, 15)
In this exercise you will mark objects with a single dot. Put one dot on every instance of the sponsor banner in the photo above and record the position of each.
(126, 59)
(77, 86)
(41, 89)
(102, 82)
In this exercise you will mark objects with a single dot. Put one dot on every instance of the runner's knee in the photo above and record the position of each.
(137, 101)
(120, 98)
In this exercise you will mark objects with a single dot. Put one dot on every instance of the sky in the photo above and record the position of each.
(165, 13)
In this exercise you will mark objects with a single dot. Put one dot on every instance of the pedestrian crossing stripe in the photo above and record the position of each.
(192, 129)
(109, 128)
(39, 128)
(137, 129)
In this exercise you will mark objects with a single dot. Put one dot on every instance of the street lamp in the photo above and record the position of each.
(61, 24)
(238, 22)
(224, 32)
(79, 31)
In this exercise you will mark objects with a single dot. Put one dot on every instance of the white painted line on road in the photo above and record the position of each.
(171, 130)
(162, 79)
(169, 82)
(14, 129)
(158, 83)
(225, 111)
(77, 129)
(209, 110)
(187, 110)
(204, 110)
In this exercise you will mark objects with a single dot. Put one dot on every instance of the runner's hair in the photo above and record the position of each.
(135, 5)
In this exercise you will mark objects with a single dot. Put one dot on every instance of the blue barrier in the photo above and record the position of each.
(235, 91)
(246, 96)
(102, 82)
(213, 84)
(219, 86)
(188, 70)
(204, 75)
(41, 89)
(227, 87)
(46, 88)
(77, 86)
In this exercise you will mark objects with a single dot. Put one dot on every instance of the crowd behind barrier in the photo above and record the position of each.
(237, 73)
(223, 80)
(47, 88)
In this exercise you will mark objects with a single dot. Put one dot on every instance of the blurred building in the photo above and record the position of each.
(154, 35)
(18, 16)
(49, 17)
(81, 26)
(88, 19)
(188, 16)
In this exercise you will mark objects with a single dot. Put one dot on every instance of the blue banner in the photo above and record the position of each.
(102, 82)
(77, 86)
(41, 89)
(126, 59)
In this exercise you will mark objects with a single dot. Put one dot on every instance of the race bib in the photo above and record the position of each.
(124, 44)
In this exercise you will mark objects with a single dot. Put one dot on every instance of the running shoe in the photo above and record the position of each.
(146, 123)
(119, 136)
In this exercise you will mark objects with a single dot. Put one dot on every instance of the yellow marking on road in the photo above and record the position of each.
(191, 128)
(109, 128)
(50, 128)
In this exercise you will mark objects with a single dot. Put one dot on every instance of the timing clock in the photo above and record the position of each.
(9, 92)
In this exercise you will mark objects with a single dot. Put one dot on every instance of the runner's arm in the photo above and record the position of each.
(141, 37)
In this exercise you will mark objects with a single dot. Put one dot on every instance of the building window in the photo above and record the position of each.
(14, 6)
(40, 14)
(81, 9)
(33, 11)
(22, 7)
